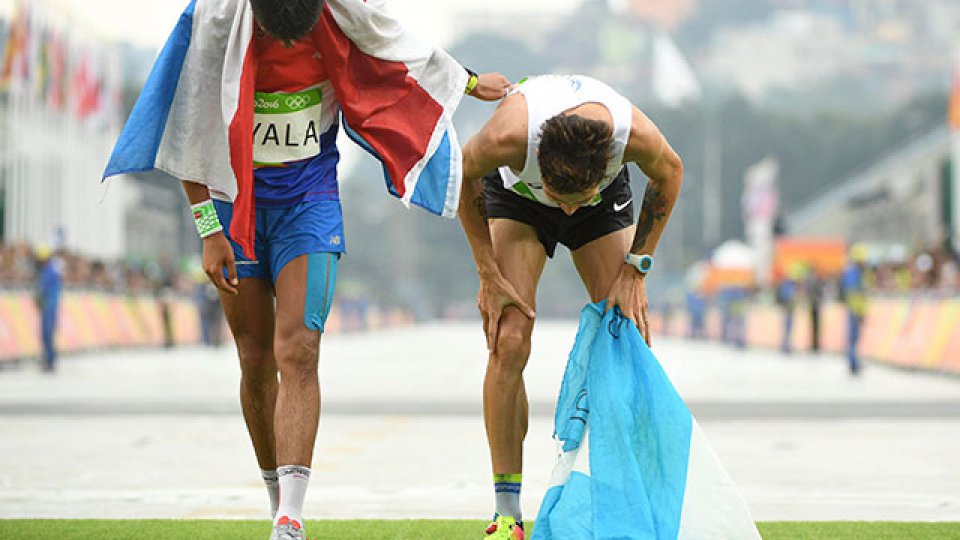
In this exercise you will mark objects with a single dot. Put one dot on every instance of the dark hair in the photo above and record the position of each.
(574, 152)
(287, 20)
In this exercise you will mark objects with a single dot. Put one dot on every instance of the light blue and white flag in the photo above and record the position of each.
(633, 463)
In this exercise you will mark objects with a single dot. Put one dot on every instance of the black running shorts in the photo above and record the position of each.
(614, 212)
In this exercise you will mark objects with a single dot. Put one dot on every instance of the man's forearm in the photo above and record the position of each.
(196, 193)
(473, 219)
(204, 213)
(658, 201)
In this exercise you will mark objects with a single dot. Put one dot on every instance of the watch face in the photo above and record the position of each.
(646, 263)
(643, 263)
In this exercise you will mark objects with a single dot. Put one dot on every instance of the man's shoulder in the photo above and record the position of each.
(514, 104)
(508, 125)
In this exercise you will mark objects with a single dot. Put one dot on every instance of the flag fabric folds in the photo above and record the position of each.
(633, 463)
(194, 117)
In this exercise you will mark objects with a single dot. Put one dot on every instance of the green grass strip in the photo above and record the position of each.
(87, 529)
(858, 530)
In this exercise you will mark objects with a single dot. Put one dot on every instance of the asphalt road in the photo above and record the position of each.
(158, 433)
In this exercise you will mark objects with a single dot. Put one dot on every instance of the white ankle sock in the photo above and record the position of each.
(272, 481)
(293, 488)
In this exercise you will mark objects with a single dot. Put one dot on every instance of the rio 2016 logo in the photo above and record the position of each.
(262, 103)
(298, 102)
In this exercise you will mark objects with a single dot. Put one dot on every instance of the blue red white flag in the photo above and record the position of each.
(194, 118)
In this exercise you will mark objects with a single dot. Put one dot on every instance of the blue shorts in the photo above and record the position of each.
(283, 234)
(313, 228)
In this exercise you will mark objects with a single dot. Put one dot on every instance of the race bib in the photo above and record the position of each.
(287, 127)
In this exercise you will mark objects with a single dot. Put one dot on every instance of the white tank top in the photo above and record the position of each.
(549, 95)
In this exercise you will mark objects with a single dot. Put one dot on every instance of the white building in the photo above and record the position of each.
(60, 115)
(904, 198)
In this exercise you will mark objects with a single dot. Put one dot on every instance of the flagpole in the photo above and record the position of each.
(18, 206)
(20, 209)
(712, 177)
(955, 187)
(954, 122)
(9, 165)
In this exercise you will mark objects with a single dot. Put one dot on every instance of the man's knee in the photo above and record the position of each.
(256, 359)
(297, 354)
(513, 341)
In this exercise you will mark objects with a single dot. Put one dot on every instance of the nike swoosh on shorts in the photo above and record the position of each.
(619, 207)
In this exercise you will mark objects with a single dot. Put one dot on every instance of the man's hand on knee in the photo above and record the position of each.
(496, 293)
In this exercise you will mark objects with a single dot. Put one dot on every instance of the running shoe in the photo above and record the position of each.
(504, 528)
(288, 529)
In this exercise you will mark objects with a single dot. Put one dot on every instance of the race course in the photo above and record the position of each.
(158, 434)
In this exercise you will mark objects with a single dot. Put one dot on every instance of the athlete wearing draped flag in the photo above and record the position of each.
(243, 106)
(549, 167)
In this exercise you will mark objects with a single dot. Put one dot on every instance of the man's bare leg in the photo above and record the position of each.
(250, 316)
(599, 262)
(521, 258)
(297, 349)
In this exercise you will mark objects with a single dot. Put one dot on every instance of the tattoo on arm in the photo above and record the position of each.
(481, 206)
(652, 212)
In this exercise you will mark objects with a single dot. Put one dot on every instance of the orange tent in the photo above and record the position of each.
(718, 278)
(826, 255)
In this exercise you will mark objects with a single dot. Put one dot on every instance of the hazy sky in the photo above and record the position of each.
(148, 22)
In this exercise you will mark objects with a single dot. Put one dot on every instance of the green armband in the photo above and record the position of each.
(205, 216)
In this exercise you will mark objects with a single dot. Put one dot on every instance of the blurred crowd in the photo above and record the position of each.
(20, 264)
(803, 290)
(928, 270)
(22, 267)
(47, 272)
(886, 272)
(892, 271)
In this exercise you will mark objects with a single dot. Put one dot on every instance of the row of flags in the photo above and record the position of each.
(58, 70)
(61, 108)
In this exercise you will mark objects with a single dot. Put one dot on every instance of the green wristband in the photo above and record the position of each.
(205, 216)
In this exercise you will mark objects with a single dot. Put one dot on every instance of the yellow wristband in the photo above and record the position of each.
(472, 83)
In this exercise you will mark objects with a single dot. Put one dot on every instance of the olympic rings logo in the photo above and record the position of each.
(298, 102)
